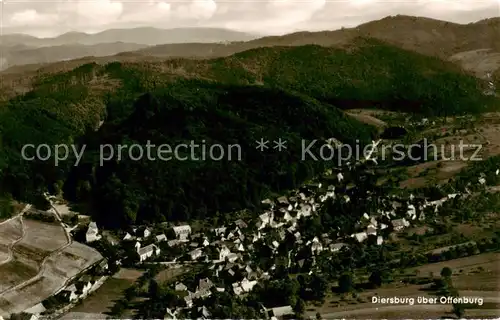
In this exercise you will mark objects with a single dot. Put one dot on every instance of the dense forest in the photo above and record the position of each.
(292, 93)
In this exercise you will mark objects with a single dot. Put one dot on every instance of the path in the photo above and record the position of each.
(23, 230)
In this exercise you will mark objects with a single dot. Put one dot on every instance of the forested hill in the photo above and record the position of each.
(228, 116)
(269, 92)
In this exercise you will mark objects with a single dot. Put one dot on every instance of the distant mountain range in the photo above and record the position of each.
(475, 45)
(22, 49)
(146, 36)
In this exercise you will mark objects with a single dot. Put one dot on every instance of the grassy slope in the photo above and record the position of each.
(296, 81)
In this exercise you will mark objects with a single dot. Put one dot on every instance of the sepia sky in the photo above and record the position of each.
(51, 18)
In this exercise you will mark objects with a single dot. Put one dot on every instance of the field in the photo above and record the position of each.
(103, 298)
(10, 231)
(40, 263)
(475, 276)
(169, 274)
(57, 270)
(40, 240)
(481, 133)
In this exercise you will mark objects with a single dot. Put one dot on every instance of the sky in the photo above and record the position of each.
(264, 17)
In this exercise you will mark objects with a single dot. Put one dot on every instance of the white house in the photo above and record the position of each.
(182, 232)
(223, 253)
(196, 253)
(371, 230)
(220, 231)
(128, 236)
(400, 224)
(335, 247)
(265, 219)
(380, 240)
(161, 238)
(92, 233)
(361, 236)
(304, 211)
(146, 233)
(316, 245)
(70, 293)
(148, 251)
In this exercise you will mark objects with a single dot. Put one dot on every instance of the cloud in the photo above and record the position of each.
(31, 17)
(196, 10)
(156, 11)
(259, 16)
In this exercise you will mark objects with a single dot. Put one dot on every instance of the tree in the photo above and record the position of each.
(299, 308)
(376, 278)
(118, 308)
(154, 289)
(458, 310)
(345, 283)
(446, 272)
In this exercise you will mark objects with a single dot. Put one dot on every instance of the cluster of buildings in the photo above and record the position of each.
(230, 249)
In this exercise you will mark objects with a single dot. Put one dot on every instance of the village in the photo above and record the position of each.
(304, 232)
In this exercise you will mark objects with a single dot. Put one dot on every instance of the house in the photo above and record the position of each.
(182, 232)
(283, 201)
(412, 212)
(70, 293)
(232, 257)
(280, 311)
(83, 286)
(174, 242)
(371, 230)
(267, 203)
(148, 251)
(180, 287)
(128, 236)
(316, 245)
(204, 284)
(92, 233)
(335, 247)
(265, 219)
(220, 231)
(161, 238)
(172, 314)
(244, 286)
(304, 211)
(204, 312)
(399, 224)
(223, 253)
(340, 177)
(103, 265)
(146, 233)
(196, 253)
(380, 240)
(241, 224)
(188, 299)
(361, 236)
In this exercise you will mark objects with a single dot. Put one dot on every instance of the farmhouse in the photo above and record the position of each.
(280, 311)
(161, 238)
(92, 233)
(147, 251)
(400, 224)
(182, 232)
